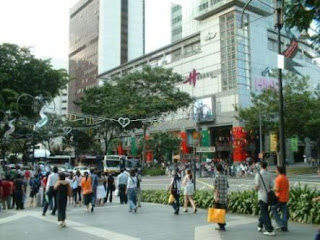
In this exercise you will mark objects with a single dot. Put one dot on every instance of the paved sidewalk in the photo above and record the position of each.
(151, 222)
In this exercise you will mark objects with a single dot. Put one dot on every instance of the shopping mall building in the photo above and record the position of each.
(221, 64)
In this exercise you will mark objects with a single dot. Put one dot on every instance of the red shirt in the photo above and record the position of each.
(7, 188)
(27, 174)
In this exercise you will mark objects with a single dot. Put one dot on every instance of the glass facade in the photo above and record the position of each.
(235, 51)
(83, 55)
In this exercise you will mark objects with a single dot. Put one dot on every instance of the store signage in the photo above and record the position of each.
(205, 149)
(262, 83)
(192, 79)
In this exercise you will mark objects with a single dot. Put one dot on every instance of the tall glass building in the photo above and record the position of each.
(103, 34)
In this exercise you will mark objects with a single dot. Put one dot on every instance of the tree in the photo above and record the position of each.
(313, 125)
(302, 14)
(299, 109)
(149, 93)
(22, 73)
(162, 144)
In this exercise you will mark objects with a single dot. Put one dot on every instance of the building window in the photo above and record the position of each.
(235, 51)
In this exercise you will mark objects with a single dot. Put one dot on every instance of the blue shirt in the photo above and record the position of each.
(122, 179)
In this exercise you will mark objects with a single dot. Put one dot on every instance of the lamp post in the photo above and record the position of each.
(279, 24)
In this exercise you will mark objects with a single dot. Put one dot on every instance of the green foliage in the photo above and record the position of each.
(162, 143)
(153, 171)
(21, 72)
(302, 14)
(245, 202)
(301, 207)
(301, 108)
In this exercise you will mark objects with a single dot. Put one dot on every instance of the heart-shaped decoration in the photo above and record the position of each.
(29, 136)
(124, 121)
(67, 130)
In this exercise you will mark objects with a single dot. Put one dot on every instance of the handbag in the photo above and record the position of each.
(171, 199)
(272, 199)
(216, 215)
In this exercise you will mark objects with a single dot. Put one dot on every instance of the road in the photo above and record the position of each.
(236, 184)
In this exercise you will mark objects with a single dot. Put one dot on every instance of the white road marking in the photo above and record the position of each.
(11, 218)
(208, 232)
(98, 232)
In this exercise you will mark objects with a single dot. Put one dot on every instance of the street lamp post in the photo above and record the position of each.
(279, 24)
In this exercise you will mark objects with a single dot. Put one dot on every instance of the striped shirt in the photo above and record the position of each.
(221, 185)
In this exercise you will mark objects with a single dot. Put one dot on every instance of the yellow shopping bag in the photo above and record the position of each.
(216, 215)
(171, 199)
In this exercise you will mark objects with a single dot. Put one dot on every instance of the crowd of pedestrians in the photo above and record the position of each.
(95, 188)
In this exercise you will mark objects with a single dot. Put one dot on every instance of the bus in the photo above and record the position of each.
(113, 163)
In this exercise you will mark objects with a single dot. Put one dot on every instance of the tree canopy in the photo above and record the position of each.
(23, 73)
(301, 109)
(146, 94)
(149, 93)
(303, 14)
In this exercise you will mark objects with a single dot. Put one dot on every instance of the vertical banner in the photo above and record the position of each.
(294, 144)
(149, 154)
(239, 143)
(183, 144)
(120, 149)
(133, 146)
(205, 138)
(273, 142)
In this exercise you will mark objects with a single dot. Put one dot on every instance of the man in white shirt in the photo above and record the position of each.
(263, 184)
(122, 180)
(50, 192)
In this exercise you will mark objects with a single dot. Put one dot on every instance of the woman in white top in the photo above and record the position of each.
(101, 191)
(131, 191)
(188, 191)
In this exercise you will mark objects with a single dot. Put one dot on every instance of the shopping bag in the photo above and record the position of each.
(116, 192)
(216, 215)
(171, 199)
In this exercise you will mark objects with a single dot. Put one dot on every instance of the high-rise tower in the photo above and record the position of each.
(103, 34)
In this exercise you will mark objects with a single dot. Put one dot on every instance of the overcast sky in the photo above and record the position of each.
(43, 25)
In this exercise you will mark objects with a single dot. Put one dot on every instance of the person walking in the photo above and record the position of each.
(20, 191)
(263, 184)
(35, 184)
(122, 181)
(44, 181)
(7, 190)
(95, 182)
(131, 191)
(221, 186)
(79, 190)
(63, 188)
(50, 192)
(74, 186)
(281, 188)
(175, 189)
(188, 191)
(139, 193)
(86, 186)
(101, 191)
(110, 187)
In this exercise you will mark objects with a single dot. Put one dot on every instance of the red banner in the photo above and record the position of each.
(183, 144)
(239, 144)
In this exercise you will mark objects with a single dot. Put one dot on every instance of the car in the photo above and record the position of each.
(82, 170)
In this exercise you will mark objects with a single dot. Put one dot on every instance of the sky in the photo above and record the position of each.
(43, 25)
